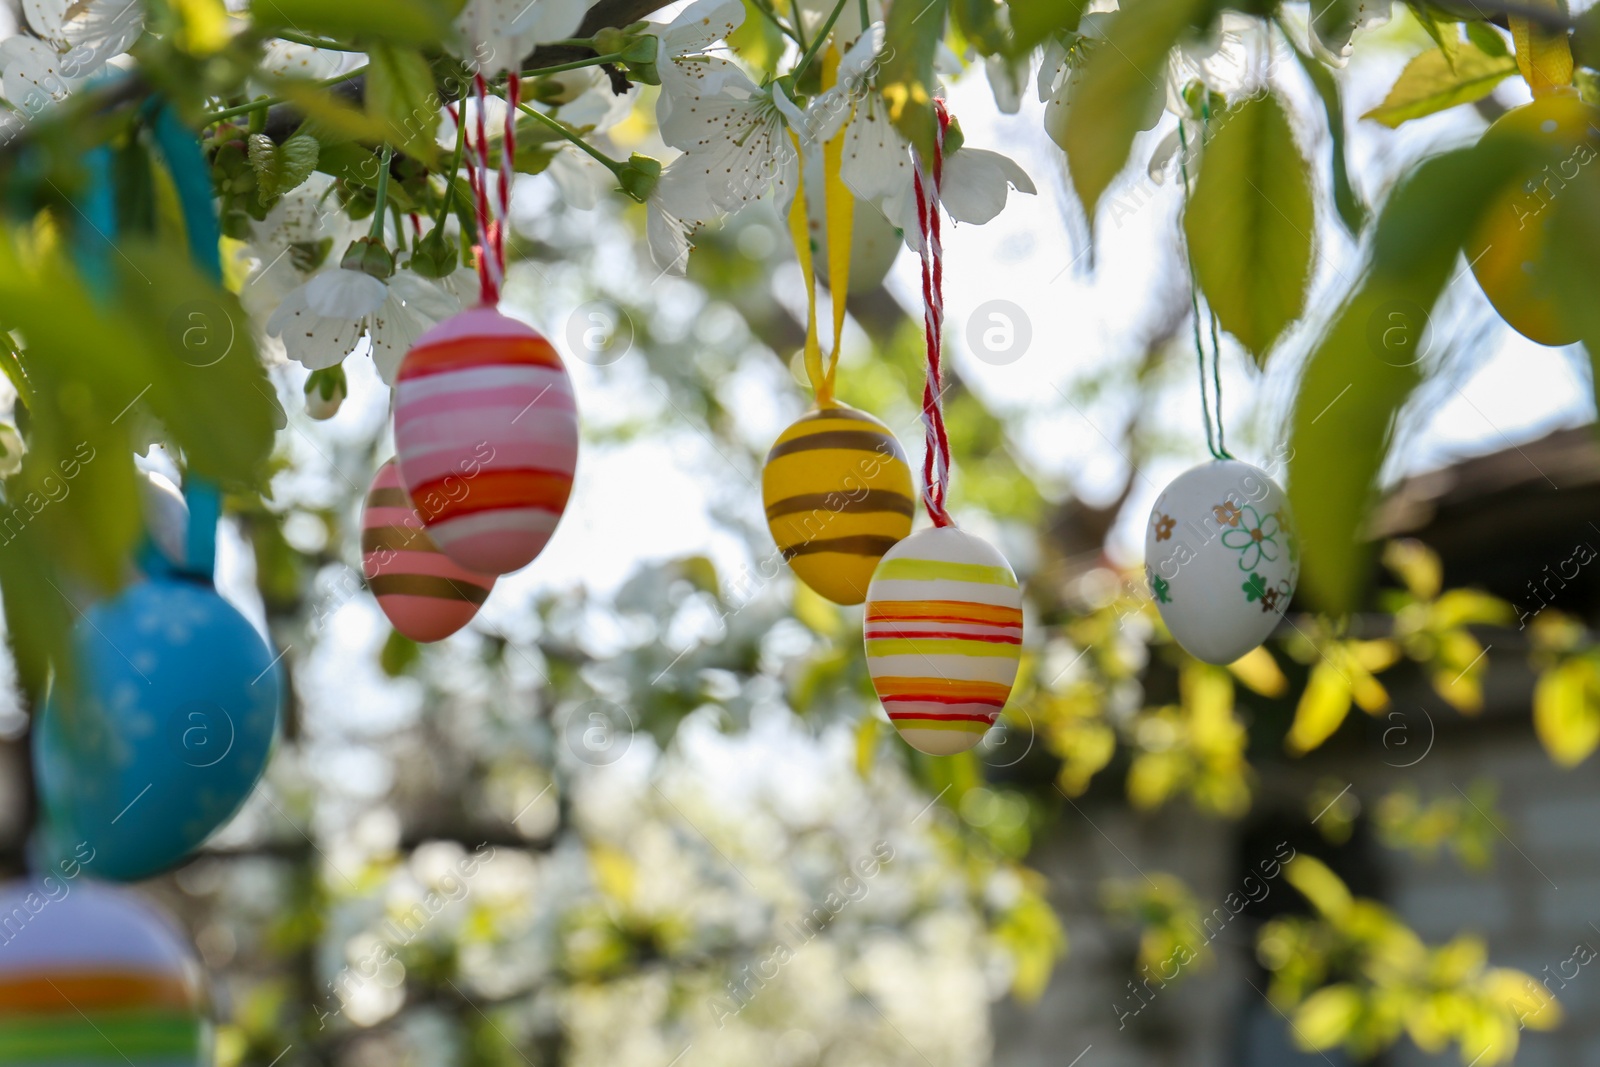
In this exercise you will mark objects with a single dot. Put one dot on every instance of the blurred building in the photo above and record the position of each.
(1517, 523)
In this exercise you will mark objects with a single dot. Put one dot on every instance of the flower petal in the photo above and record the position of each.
(976, 183)
(345, 294)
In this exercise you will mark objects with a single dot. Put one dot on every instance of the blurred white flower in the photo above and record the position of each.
(322, 321)
(290, 59)
(1230, 60)
(1060, 72)
(75, 39)
(1333, 26)
(848, 25)
(500, 33)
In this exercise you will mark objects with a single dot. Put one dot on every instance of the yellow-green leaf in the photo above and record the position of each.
(1430, 84)
(411, 22)
(1321, 886)
(1034, 20)
(1323, 706)
(1566, 714)
(1326, 1017)
(1249, 225)
(906, 80)
(1120, 79)
(1356, 381)
(401, 96)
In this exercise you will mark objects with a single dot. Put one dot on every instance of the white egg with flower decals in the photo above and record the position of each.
(1222, 558)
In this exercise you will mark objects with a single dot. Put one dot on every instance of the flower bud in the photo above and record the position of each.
(368, 254)
(435, 256)
(640, 57)
(325, 391)
(638, 176)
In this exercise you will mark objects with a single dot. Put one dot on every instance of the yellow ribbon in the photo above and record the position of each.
(1544, 58)
(839, 210)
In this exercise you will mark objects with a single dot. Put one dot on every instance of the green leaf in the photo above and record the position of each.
(1445, 31)
(1363, 371)
(1428, 84)
(280, 168)
(1487, 38)
(405, 22)
(979, 23)
(1034, 20)
(1573, 252)
(298, 156)
(400, 95)
(1352, 212)
(906, 80)
(1120, 80)
(398, 654)
(1249, 224)
(756, 40)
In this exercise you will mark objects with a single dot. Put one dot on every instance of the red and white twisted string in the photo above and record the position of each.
(936, 457)
(492, 212)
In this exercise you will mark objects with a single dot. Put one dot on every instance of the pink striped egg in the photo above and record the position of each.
(426, 595)
(486, 427)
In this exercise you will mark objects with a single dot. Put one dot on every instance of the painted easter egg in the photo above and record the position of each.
(943, 636)
(1514, 232)
(1222, 558)
(426, 595)
(160, 729)
(486, 427)
(838, 495)
(91, 975)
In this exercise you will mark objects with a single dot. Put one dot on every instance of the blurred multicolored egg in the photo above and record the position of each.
(944, 638)
(1222, 558)
(1510, 241)
(91, 975)
(426, 595)
(158, 728)
(486, 427)
(838, 495)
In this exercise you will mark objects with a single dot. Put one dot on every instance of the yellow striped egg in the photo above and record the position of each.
(944, 638)
(838, 495)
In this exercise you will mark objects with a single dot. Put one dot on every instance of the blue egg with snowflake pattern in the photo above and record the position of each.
(158, 730)
(1222, 558)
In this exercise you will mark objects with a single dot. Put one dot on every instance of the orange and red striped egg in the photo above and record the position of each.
(944, 638)
(486, 431)
(426, 594)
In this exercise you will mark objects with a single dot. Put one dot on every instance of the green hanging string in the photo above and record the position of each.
(1215, 443)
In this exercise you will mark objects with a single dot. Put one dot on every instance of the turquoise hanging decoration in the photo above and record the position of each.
(169, 717)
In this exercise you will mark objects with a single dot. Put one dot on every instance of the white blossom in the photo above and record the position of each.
(76, 38)
(321, 322)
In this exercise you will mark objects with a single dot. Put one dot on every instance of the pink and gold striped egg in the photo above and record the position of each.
(486, 430)
(944, 638)
(426, 595)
